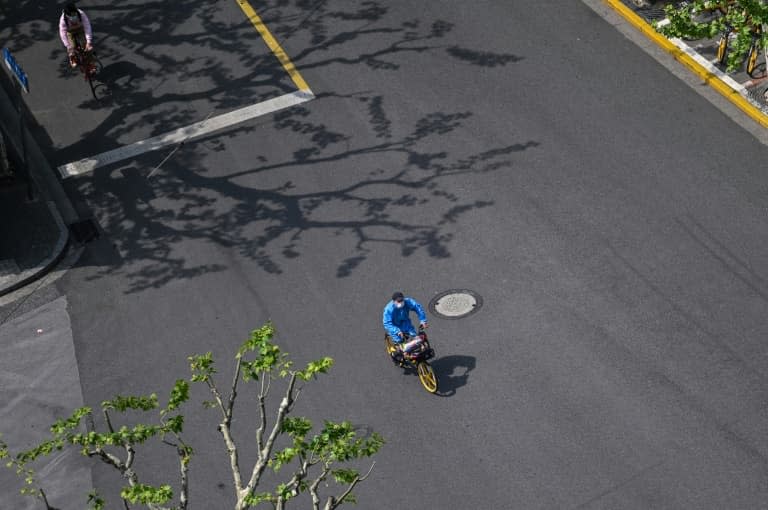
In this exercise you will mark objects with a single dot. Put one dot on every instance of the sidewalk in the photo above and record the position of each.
(33, 232)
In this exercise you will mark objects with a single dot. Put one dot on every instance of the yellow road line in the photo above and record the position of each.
(709, 78)
(273, 45)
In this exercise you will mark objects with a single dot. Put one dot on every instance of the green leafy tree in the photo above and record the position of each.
(311, 460)
(706, 19)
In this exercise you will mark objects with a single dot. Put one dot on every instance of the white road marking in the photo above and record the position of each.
(709, 66)
(706, 64)
(195, 130)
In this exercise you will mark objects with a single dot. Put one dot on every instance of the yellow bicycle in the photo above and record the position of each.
(415, 352)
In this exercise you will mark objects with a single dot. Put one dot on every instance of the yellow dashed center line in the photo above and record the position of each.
(273, 45)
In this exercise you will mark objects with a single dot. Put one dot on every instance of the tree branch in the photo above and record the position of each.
(233, 459)
(234, 463)
(217, 396)
(233, 393)
(266, 451)
(262, 412)
(108, 421)
(108, 458)
(313, 488)
(293, 484)
(334, 503)
(184, 468)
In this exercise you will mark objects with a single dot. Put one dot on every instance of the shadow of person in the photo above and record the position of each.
(452, 372)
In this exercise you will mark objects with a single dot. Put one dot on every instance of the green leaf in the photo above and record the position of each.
(179, 395)
(174, 424)
(320, 366)
(62, 426)
(345, 475)
(261, 497)
(147, 494)
(95, 502)
(201, 366)
(122, 403)
(297, 427)
(283, 457)
(258, 338)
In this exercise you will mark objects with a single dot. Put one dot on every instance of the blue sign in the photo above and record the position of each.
(16, 69)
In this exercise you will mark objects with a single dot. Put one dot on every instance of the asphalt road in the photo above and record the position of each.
(612, 220)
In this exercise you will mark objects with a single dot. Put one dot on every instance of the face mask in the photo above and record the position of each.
(400, 304)
(72, 18)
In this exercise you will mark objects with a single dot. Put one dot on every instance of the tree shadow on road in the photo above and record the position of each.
(408, 205)
(398, 191)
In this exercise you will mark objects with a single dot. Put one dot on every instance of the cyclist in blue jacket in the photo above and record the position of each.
(397, 320)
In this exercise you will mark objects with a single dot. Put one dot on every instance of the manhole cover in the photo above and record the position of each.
(455, 304)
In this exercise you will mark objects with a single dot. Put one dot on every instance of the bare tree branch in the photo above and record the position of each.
(266, 451)
(217, 396)
(261, 397)
(234, 463)
(233, 393)
(108, 458)
(109, 422)
(313, 488)
(293, 484)
(184, 468)
(226, 433)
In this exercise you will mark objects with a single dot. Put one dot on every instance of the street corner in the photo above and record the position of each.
(745, 86)
(36, 239)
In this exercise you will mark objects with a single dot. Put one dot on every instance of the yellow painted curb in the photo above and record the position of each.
(273, 45)
(709, 78)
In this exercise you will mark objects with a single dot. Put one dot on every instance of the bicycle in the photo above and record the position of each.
(722, 44)
(745, 44)
(414, 353)
(754, 50)
(88, 64)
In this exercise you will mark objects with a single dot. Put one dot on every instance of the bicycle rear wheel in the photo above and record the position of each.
(92, 85)
(427, 376)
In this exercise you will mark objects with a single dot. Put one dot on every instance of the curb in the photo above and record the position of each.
(716, 79)
(45, 181)
(29, 275)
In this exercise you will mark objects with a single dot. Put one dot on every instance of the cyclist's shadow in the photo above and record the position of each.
(452, 372)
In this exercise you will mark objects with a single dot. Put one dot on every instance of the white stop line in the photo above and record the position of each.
(190, 132)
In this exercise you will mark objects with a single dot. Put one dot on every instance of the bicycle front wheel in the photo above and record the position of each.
(427, 376)
(390, 345)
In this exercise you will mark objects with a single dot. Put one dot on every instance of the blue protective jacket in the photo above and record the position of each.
(397, 319)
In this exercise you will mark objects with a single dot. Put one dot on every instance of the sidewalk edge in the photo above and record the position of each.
(45, 265)
(710, 78)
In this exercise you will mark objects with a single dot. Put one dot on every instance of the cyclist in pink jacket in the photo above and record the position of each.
(74, 27)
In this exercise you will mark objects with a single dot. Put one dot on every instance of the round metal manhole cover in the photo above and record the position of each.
(455, 304)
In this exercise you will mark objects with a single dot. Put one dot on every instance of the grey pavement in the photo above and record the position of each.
(40, 383)
(619, 358)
